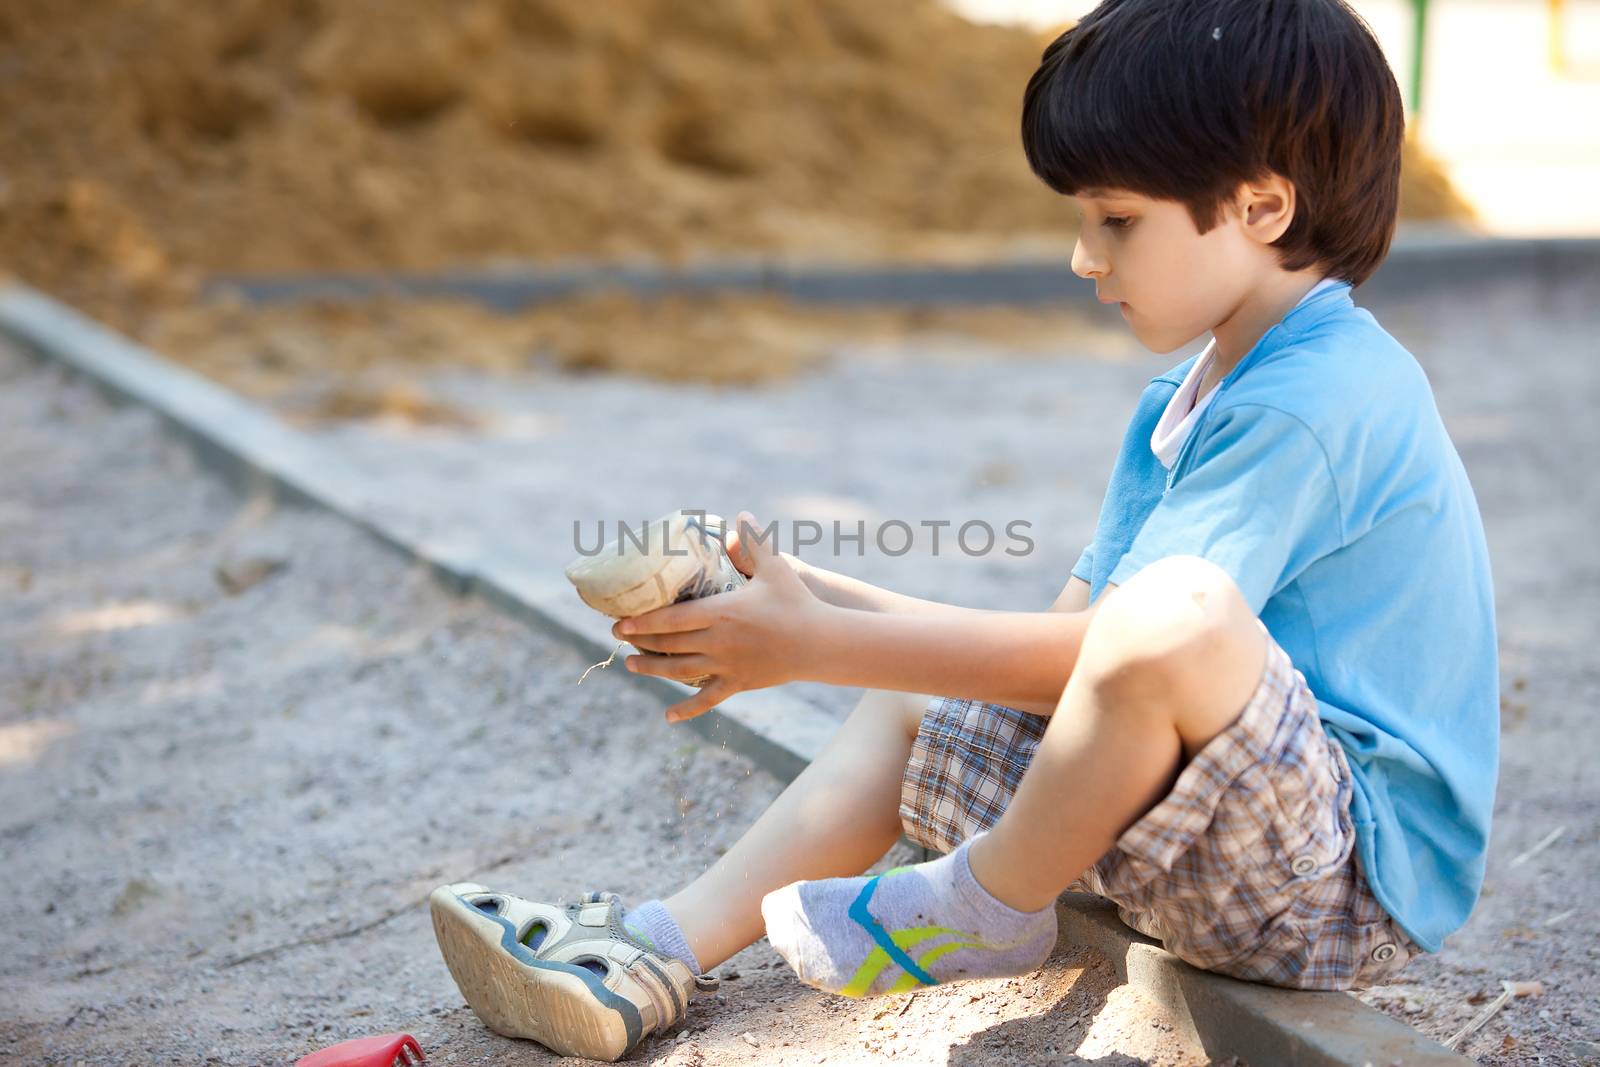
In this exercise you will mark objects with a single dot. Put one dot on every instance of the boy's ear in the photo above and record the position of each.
(1266, 207)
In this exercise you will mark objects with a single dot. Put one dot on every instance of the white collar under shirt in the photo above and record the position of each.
(1183, 410)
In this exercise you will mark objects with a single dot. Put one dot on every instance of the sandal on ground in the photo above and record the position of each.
(565, 975)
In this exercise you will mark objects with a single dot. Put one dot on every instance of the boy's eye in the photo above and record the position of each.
(1116, 222)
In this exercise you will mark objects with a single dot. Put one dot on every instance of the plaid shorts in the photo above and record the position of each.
(1247, 867)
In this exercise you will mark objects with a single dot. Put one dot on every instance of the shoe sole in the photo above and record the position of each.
(559, 1005)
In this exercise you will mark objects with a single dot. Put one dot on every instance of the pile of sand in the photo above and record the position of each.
(294, 135)
(149, 143)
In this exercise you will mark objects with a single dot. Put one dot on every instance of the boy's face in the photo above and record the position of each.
(1173, 283)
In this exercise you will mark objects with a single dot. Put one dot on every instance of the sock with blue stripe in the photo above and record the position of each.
(653, 926)
(904, 929)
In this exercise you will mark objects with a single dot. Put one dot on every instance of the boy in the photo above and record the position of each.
(1261, 717)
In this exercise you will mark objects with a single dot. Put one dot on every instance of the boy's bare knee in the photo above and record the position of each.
(1171, 610)
(1178, 636)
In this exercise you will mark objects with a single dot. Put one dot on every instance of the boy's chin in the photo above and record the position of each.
(1159, 341)
(1162, 345)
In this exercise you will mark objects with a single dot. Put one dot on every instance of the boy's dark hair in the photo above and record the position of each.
(1185, 99)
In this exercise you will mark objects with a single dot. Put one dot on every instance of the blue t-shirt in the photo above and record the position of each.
(1322, 479)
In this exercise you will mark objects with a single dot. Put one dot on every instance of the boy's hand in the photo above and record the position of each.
(749, 638)
(740, 557)
(738, 554)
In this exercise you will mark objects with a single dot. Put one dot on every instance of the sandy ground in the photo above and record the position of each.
(239, 744)
(958, 430)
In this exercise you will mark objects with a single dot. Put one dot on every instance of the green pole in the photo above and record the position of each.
(1419, 41)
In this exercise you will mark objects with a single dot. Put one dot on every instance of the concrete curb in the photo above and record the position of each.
(1264, 1026)
(1421, 258)
(258, 453)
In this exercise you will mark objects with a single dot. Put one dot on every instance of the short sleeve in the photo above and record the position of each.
(1084, 568)
(1259, 501)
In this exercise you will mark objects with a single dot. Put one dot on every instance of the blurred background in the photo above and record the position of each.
(1503, 96)
(154, 151)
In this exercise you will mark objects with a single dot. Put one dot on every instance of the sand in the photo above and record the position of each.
(150, 144)
(238, 744)
(324, 360)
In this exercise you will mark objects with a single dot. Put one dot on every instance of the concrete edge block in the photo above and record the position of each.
(779, 732)
(1422, 257)
(1264, 1026)
(257, 453)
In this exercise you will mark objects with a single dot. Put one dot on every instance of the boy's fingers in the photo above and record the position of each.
(681, 642)
(754, 546)
(672, 619)
(715, 692)
(678, 668)
(737, 555)
(740, 556)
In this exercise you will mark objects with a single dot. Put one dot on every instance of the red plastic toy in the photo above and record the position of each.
(385, 1050)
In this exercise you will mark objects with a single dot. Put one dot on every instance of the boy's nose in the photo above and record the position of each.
(1084, 263)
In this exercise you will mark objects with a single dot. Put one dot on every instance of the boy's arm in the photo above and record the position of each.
(1074, 596)
(777, 629)
(1019, 659)
(843, 591)
(1008, 685)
